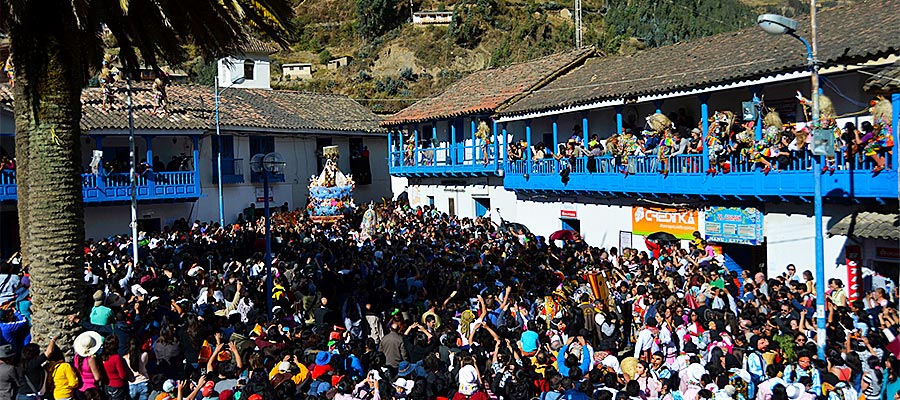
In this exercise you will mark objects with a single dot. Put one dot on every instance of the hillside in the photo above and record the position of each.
(395, 62)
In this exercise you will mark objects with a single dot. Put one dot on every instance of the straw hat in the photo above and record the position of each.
(88, 343)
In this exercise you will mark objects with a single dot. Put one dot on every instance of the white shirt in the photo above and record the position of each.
(644, 342)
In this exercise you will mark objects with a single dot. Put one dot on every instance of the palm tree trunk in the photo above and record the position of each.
(47, 94)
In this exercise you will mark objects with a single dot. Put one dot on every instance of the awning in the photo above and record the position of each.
(868, 225)
(885, 81)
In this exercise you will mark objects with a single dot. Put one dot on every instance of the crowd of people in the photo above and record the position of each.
(432, 306)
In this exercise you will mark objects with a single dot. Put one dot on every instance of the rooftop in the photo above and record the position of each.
(884, 81)
(847, 34)
(487, 90)
(191, 107)
(868, 225)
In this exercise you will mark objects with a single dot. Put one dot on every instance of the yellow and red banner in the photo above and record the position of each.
(681, 223)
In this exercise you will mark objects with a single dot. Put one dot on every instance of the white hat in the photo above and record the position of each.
(284, 366)
(375, 375)
(794, 390)
(695, 372)
(169, 386)
(88, 343)
(405, 384)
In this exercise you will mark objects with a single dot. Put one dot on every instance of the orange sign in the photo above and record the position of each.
(681, 223)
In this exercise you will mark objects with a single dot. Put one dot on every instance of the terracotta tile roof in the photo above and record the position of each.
(487, 90)
(287, 110)
(192, 107)
(255, 46)
(846, 34)
(868, 225)
(884, 81)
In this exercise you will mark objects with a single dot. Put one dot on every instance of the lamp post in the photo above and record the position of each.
(219, 153)
(266, 164)
(780, 25)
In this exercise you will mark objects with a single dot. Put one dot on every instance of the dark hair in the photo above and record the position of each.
(110, 347)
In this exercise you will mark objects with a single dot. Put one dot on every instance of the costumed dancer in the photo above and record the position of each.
(715, 142)
(161, 99)
(484, 133)
(772, 126)
(10, 70)
(661, 129)
(627, 145)
(827, 121)
(883, 136)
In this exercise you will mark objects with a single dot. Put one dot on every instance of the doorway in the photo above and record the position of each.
(571, 224)
(451, 206)
(482, 205)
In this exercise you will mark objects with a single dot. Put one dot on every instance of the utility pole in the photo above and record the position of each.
(579, 35)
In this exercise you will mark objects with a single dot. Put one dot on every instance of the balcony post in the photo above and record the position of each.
(151, 177)
(757, 131)
(452, 141)
(474, 125)
(658, 104)
(98, 143)
(416, 145)
(555, 147)
(505, 145)
(584, 128)
(619, 122)
(704, 123)
(402, 146)
(390, 145)
(527, 151)
(895, 126)
(494, 132)
(195, 141)
(434, 142)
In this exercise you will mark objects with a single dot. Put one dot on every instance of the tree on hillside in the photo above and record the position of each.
(56, 45)
(375, 17)
(659, 23)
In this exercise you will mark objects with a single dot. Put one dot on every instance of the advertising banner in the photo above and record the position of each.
(734, 225)
(853, 256)
(647, 220)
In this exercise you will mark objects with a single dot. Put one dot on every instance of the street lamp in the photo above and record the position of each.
(219, 153)
(265, 164)
(780, 25)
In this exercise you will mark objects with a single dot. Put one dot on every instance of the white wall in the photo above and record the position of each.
(231, 68)
(299, 153)
(104, 221)
(463, 192)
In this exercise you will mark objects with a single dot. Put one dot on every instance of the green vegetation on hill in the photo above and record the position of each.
(396, 63)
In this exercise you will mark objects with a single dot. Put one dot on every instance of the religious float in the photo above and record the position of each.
(331, 193)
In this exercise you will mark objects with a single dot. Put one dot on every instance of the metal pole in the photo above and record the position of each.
(133, 174)
(268, 244)
(817, 176)
(219, 160)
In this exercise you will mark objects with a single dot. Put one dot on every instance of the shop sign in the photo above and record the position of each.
(681, 223)
(568, 213)
(261, 195)
(734, 225)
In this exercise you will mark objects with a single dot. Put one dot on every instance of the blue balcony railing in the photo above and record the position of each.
(687, 176)
(232, 171)
(445, 160)
(176, 185)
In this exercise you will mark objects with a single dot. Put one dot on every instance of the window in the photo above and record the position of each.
(320, 144)
(482, 206)
(261, 144)
(359, 162)
(248, 69)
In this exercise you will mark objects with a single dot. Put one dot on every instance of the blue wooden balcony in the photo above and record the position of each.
(603, 176)
(446, 160)
(116, 187)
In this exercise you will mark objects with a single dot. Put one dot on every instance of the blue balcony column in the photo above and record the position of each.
(554, 147)
(505, 145)
(895, 101)
(619, 122)
(452, 142)
(390, 138)
(195, 140)
(402, 146)
(494, 132)
(528, 141)
(98, 144)
(151, 180)
(415, 144)
(757, 131)
(473, 126)
(584, 128)
(658, 104)
(704, 127)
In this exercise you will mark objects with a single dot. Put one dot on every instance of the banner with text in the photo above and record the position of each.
(734, 225)
(647, 220)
